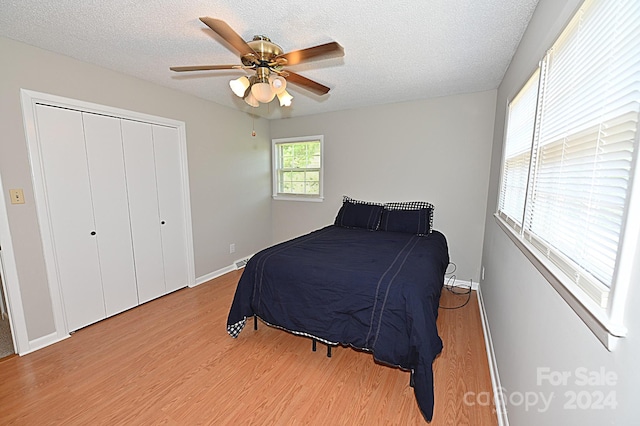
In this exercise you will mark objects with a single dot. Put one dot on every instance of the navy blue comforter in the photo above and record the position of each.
(373, 290)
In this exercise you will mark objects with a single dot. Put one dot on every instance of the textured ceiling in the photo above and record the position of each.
(394, 51)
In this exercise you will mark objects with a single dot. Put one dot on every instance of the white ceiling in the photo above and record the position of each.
(394, 51)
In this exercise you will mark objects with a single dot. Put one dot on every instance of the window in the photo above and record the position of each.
(569, 157)
(517, 157)
(297, 168)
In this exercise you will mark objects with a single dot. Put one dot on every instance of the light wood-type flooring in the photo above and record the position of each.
(171, 362)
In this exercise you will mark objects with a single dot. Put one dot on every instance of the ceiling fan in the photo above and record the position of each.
(267, 60)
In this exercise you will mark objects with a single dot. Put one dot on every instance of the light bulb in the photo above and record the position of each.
(285, 98)
(278, 84)
(251, 100)
(239, 86)
(262, 92)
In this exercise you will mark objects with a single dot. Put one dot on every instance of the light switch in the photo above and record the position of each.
(17, 196)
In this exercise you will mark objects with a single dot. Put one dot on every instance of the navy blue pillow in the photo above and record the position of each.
(359, 215)
(409, 221)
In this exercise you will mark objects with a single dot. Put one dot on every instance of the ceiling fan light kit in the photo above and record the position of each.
(267, 60)
(240, 85)
(278, 84)
(262, 92)
(251, 100)
(285, 98)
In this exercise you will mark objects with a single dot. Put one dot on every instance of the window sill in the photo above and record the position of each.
(596, 318)
(298, 198)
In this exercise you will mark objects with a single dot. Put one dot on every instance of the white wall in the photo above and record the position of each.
(228, 169)
(531, 326)
(436, 150)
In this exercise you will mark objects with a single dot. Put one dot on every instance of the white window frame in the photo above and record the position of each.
(604, 320)
(276, 166)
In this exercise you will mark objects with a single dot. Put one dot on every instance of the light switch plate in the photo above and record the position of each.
(17, 196)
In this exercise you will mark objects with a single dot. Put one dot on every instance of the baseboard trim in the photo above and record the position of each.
(214, 274)
(44, 341)
(498, 393)
(238, 264)
(462, 284)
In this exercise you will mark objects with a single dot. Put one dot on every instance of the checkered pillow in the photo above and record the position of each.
(346, 199)
(408, 205)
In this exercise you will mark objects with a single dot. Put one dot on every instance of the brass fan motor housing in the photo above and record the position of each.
(264, 47)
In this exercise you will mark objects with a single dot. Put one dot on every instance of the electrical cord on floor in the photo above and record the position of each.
(451, 287)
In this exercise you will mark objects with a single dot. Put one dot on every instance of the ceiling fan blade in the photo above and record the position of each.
(313, 86)
(229, 35)
(322, 51)
(205, 68)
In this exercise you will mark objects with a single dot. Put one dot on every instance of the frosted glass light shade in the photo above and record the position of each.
(285, 98)
(278, 84)
(239, 86)
(251, 100)
(262, 92)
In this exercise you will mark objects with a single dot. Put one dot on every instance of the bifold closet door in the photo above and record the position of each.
(140, 169)
(65, 170)
(111, 211)
(171, 203)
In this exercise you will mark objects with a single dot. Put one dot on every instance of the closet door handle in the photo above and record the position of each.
(93, 232)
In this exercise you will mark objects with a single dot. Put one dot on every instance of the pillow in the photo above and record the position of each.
(413, 217)
(359, 214)
(408, 221)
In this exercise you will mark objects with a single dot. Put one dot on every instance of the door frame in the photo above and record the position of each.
(9, 272)
(29, 101)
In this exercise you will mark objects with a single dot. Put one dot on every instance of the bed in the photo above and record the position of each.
(372, 280)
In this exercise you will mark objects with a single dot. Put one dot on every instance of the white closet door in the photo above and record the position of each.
(172, 206)
(140, 168)
(111, 211)
(69, 200)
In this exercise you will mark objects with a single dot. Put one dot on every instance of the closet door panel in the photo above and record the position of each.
(137, 140)
(111, 211)
(171, 203)
(64, 161)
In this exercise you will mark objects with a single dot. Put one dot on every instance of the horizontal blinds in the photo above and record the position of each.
(586, 141)
(519, 138)
(597, 47)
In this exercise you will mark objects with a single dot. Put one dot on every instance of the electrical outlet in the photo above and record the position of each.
(232, 248)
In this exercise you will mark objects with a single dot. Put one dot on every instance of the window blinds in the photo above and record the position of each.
(515, 170)
(583, 145)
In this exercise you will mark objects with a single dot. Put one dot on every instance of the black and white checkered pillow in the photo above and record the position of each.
(346, 199)
(408, 205)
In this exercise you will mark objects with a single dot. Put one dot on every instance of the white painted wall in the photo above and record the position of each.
(436, 150)
(229, 170)
(531, 326)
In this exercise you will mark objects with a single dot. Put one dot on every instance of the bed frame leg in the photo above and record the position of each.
(255, 322)
(412, 382)
(313, 347)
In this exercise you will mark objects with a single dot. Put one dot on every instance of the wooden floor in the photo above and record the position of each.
(171, 362)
